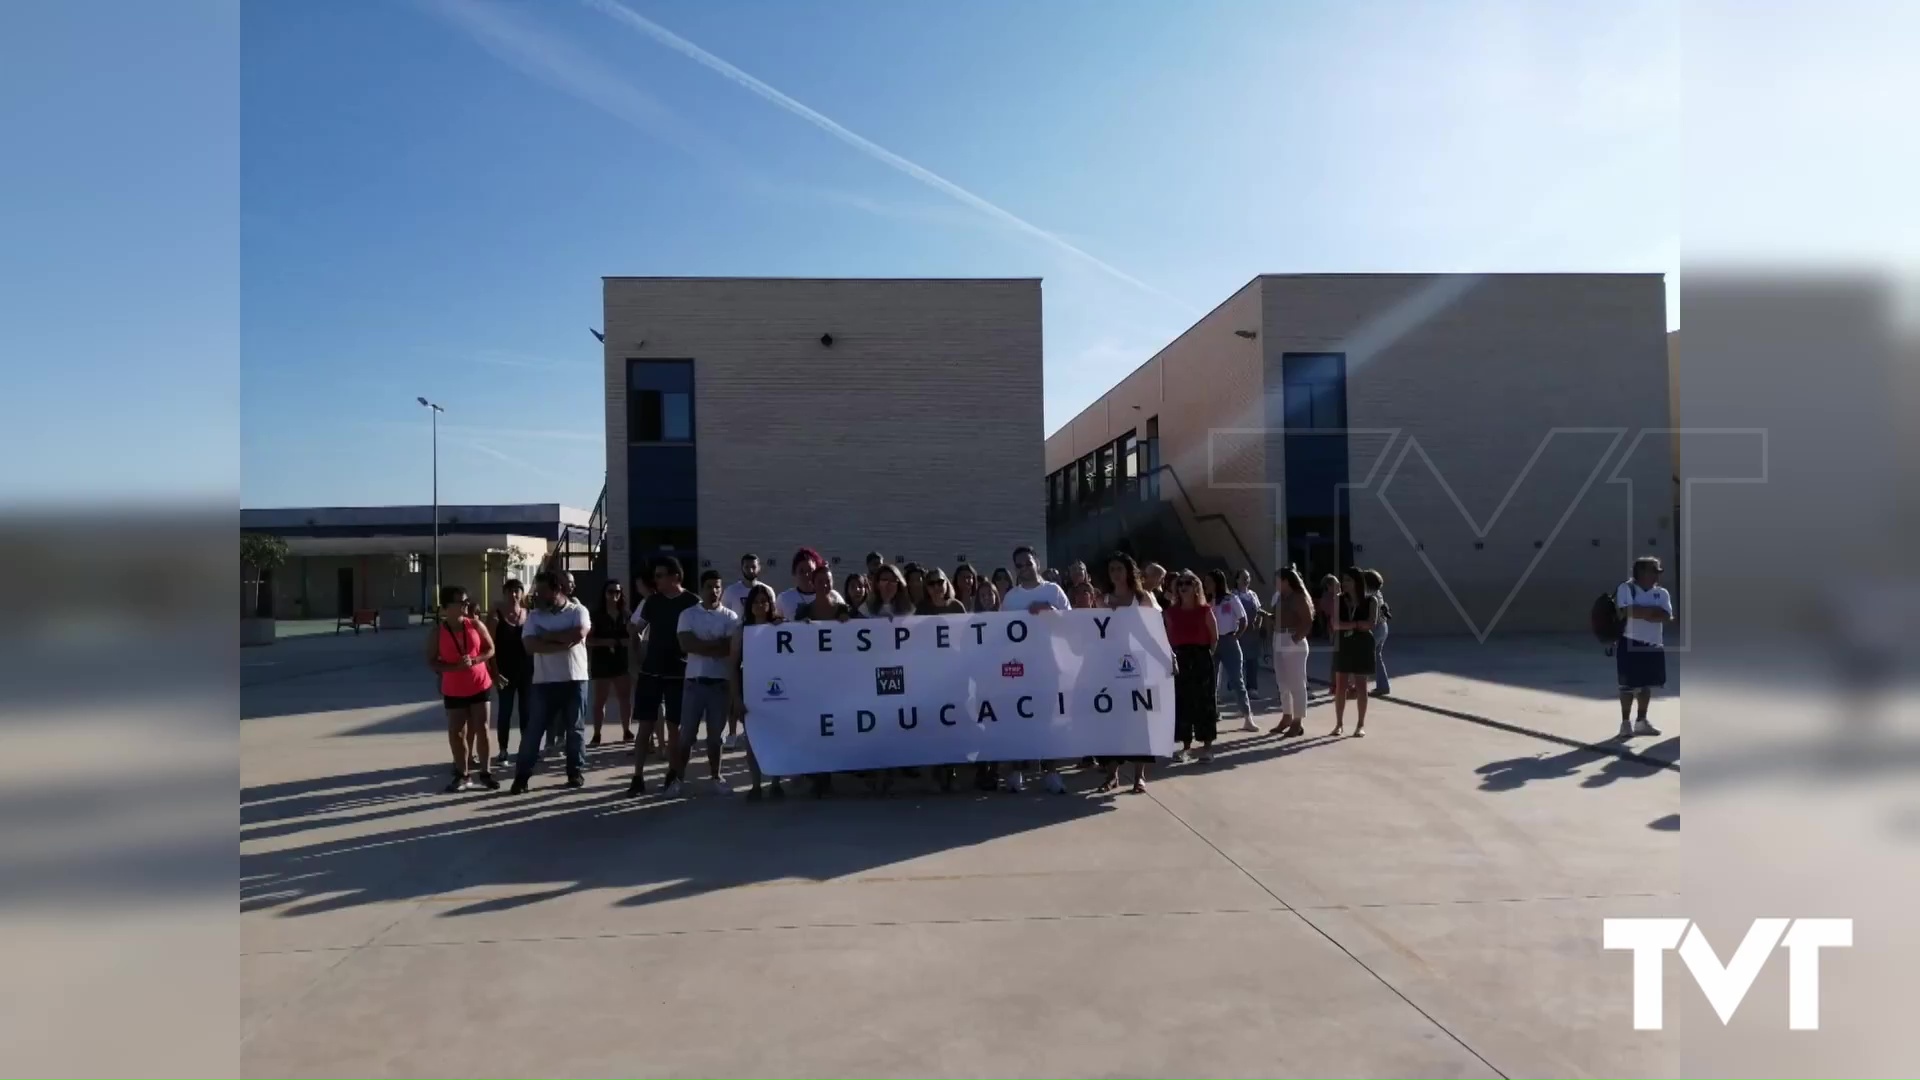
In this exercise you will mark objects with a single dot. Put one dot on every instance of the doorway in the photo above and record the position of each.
(344, 579)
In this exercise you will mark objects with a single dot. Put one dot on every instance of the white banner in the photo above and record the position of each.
(950, 689)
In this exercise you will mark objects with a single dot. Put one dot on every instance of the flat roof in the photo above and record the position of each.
(751, 277)
(418, 514)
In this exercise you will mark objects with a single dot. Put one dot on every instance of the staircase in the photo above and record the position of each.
(1153, 529)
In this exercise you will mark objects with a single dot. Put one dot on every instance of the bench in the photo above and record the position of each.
(361, 617)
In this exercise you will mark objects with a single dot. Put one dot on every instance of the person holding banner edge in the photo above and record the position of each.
(760, 610)
(1128, 591)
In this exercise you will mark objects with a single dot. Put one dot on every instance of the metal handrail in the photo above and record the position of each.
(1198, 517)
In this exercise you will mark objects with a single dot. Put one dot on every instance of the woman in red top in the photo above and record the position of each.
(458, 649)
(1192, 633)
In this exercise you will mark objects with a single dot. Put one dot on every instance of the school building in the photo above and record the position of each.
(1497, 445)
(343, 559)
(848, 415)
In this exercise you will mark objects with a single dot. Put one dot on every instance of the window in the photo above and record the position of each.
(1129, 467)
(659, 401)
(1085, 468)
(653, 540)
(1103, 479)
(1150, 460)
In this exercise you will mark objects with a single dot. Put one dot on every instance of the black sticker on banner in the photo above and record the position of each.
(890, 680)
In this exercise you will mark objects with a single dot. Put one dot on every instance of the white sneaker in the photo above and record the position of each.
(1250, 725)
(1055, 784)
(671, 791)
(721, 787)
(1626, 731)
(1641, 727)
(1016, 782)
(1178, 757)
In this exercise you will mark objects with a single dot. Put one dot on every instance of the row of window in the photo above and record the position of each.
(1124, 470)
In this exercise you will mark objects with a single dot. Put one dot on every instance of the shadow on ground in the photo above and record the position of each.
(1513, 773)
(553, 841)
(1573, 665)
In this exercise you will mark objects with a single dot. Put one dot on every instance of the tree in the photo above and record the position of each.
(505, 561)
(261, 553)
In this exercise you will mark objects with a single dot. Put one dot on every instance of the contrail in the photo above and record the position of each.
(474, 444)
(621, 13)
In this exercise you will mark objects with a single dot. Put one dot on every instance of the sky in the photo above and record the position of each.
(431, 190)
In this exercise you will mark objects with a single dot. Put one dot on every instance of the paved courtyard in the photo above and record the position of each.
(1425, 901)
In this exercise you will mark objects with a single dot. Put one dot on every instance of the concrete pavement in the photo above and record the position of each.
(1424, 901)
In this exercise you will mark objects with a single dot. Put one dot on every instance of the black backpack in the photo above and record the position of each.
(1607, 624)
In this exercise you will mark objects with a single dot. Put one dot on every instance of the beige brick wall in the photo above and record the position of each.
(1475, 374)
(918, 432)
(1475, 371)
(1203, 385)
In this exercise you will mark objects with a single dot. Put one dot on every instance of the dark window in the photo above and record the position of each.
(1129, 467)
(1103, 478)
(660, 401)
(652, 540)
(1150, 460)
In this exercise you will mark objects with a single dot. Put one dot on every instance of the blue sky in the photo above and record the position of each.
(431, 189)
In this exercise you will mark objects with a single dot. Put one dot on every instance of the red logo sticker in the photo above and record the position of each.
(1012, 669)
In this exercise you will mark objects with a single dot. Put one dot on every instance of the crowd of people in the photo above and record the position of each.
(666, 661)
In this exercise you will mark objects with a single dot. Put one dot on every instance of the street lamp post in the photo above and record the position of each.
(436, 411)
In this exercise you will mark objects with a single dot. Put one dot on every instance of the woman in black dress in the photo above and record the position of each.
(607, 661)
(512, 664)
(1353, 650)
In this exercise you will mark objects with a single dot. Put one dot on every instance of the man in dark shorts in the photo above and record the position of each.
(663, 664)
(1640, 656)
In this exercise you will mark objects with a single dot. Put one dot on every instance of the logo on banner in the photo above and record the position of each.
(1128, 669)
(775, 692)
(890, 680)
(1012, 669)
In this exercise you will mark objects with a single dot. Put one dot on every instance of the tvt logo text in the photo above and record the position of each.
(1726, 985)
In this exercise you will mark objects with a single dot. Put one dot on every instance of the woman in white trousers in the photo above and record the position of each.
(1293, 615)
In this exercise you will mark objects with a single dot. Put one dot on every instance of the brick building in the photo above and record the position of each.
(762, 414)
(1497, 445)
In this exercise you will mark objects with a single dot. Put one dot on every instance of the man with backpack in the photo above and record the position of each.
(1642, 609)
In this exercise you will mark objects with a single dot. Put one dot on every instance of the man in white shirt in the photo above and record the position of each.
(1030, 593)
(1033, 595)
(736, 595)
(556, 636)
(705, 633)
(1640, 656)
(805, 562)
